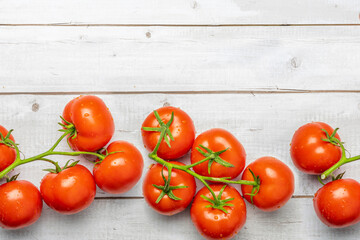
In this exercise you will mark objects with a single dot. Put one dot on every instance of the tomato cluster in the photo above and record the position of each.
(218, 210)
(217, 159)
(88, 126)
(316, 149)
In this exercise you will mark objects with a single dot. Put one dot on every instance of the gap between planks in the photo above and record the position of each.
(118, 198)
(69, 24)
(270, 91)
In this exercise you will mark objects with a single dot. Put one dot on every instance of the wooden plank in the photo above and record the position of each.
(264, 123)
(210, 12)
(133, 219)
(146, 59)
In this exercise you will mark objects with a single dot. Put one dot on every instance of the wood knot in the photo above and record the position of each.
(35, 107)
(295, 63)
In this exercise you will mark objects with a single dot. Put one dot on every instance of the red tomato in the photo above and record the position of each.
(309, 153)
(337, 203)
(7, 154)
(182, 129)
(276, 183)
(119, 172)
(214, 223)
(168, 206)
(93, 123)
(216, 140)
(20, 204)
(70, 191)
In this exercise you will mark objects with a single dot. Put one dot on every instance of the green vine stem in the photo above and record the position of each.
(343, 160)
(217, 202)
(18, 161)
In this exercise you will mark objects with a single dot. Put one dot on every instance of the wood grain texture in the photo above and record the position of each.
(165, 59)
(263, 123)
(133, 219)
(259, 69)
(192, 12)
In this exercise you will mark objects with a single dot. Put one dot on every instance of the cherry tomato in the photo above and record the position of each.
(93, 123)
(276, 183)
(69, 191)
(214, 223)
(7, 154)
(217, 140)
(309, 153)
(20, 204)
(119, 172)
(182, 129)
(168, 206)
(337, 203)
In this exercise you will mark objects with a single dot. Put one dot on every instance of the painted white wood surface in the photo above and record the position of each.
(148, 59)
(134, 54)
(208, 12)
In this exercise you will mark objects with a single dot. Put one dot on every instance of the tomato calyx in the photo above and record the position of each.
(333, 177)
(13, 178)
(217, 202)
(212, 157)
(337, 177)
(331, 138)
(58, 169)
(7, 141)
(343, 160)
(167, 189)
(69, 128)
(164, 130)
(107, 153)
(256, 188)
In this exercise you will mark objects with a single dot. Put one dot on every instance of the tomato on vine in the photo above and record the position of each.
(276, 183)
(310, 153)
(168, 195)
(20, 204)
(120, 170)
(91, 123)
(221, 154)
(7, 151)
(174, 126)
(68, 190)
(219, 218)
(337, 204)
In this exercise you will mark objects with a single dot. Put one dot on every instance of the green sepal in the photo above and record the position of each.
(164, 128)
(331, 138)
(337, 177)
(219, 203)
(166, 189)
(255, 189)
(13, 178)
(57, 167)
(6, 140)
(51, 170)
(214, 157)
(68, 127)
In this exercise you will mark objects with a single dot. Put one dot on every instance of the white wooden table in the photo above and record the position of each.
(257, 68)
